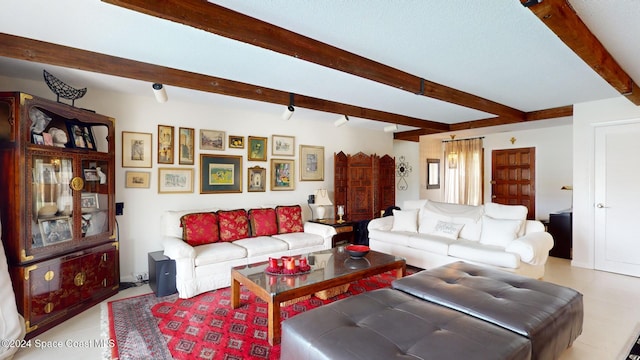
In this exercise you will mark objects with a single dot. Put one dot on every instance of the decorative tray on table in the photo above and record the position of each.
(298, 270)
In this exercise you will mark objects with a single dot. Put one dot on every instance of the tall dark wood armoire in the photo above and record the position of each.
(364, 184)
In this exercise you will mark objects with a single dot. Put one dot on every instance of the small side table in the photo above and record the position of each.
(162, 274)
(345, 231)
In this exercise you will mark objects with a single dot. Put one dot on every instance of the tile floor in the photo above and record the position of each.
(612, 316)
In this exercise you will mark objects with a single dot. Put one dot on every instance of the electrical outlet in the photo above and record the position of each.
(142, 276)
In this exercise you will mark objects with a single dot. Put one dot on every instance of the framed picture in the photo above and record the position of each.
(257, 179)
(137, 179)
(165, 144)
(257, 149)
(220, 174)
(236, 142)
(282, 174)
(282, 145)
(175, 180)
(186, 151)
(311, 163)
(89, 202)
(46, 173)
(81, 136)
(38, 139)
(56, 230)
(91, 175)
(136, 149)
(212, 140)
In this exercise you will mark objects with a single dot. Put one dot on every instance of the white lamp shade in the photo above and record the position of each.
(322, 197)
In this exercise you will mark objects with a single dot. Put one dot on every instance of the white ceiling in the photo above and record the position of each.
(498, 50)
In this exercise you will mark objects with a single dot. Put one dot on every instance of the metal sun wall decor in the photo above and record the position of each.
(403, 169)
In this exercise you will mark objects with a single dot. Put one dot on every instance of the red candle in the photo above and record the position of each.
(273, 263)
(303, 262)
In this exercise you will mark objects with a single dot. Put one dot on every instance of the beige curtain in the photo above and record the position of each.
(463, 171)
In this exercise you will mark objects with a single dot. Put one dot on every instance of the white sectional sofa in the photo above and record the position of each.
(204, 257)
(430, 234)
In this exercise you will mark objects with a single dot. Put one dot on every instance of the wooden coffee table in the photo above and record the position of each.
(329, 269)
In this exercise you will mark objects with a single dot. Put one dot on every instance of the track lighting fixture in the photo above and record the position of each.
(159, 92)
(288, 112)
(341, 121)
(391, 128)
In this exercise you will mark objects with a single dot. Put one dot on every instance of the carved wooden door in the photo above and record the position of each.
(386, 184)
(513, 178)
(360, 187)
(340, 182)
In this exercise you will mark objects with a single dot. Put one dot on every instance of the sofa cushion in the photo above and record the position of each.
(499, 232)
(402, 238)
(171, 221)
(467, 215)
(485, 254)
(218, 252)
(289, 219)
(508, 212)
(262, 245)
(447, 229)
(405, 220)
(263, 222)
(200, 228)
(234, 224)
(431, 243)
(300, 240)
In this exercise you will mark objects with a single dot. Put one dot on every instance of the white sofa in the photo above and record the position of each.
(207, 267)
(430, 234)
(12, 327)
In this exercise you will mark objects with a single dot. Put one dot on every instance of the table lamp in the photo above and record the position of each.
(322, 199)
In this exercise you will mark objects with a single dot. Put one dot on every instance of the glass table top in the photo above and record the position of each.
(325, 265)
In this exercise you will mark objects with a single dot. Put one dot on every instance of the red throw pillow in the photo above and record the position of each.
(234, 224)
(263, 222)
(289, 219)
(199, 228)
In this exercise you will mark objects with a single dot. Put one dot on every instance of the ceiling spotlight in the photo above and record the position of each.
(160, 93)
(288, 112)
(391, 128)
(341, 121)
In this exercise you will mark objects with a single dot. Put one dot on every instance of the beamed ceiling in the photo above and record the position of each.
(426, 66)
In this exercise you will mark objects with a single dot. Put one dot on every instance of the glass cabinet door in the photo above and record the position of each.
(52, 213)
(95, 198)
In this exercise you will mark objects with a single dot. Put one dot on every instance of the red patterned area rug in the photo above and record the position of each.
(205, 326)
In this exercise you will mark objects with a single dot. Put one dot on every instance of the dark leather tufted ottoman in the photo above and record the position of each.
(549, 315)
(390, 324)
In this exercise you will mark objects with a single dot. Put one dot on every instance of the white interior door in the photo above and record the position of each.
(617, 195)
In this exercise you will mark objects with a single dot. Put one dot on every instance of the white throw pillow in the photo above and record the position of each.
(447, 229)
(405, 220)
(499, 232)
(508, 212)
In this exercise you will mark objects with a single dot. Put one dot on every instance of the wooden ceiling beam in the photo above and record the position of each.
(561, 18)
(231, 24)
(48, 53)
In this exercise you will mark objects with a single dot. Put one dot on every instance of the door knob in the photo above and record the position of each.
(601, 206)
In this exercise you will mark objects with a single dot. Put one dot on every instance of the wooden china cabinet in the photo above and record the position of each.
(57, 206)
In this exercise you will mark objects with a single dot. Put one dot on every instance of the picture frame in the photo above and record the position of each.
(433, 173)
(257, 148)
(38, 139)
(186, 152)
(137, 179)
(220, 174)
(175, 180)
(89, 202)
(282, 145)
(311, 163)
(212, 140)
(257, 179)
(91, 175)
(56, 230)
(46, 173)
(80, 136)
(282, 174)
(236, 142)
(165, 144)
(136, 149)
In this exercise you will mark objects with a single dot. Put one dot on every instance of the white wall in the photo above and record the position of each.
(586, 117)
(139, 227)
(554, 147)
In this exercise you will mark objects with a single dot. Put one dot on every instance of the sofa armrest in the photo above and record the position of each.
(533, 248)
(176, 248)
(383, 223)
(323, 230)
